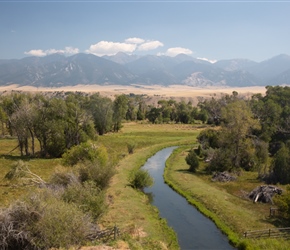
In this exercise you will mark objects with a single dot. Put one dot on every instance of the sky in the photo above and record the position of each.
(212, 30)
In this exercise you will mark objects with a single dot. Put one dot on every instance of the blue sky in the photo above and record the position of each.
(215, 30)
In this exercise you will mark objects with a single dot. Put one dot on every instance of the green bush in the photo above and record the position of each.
(192, 160)
(96, 172)
(85, 152)
(140, 179)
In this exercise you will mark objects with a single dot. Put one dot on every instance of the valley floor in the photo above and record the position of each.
(159, 92)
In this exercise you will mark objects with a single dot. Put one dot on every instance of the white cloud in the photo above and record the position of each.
(110, 48)
(135, 40)
(40, 52)
(177, 50)
(35, 52)
(206, 59)
(150, 45)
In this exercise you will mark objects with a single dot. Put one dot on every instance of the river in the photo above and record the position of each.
(193, 229)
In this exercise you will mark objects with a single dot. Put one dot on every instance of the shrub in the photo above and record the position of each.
(43, 221)
(96, 172)
(61, 225)
(192, 160)
(131, 147)
(140, 179)
(87, 197)
(14, 225)
(85, 152)
(63, 178)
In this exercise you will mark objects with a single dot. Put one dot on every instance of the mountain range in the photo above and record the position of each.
(123, 69)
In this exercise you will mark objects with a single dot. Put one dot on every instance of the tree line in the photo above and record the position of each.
(61, 120)
(58, 121)
(252, 134)
(247, 133)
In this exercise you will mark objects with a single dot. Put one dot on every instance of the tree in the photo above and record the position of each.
(192, 160)
(120, 107)
(236, 142)
(102, 111)
(78, 126)
(281, 165)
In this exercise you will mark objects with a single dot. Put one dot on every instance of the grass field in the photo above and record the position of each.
(131, 211)
(225, 203)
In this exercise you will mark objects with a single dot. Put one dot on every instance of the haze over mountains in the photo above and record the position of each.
(123, 69)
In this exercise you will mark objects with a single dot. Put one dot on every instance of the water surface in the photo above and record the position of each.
(193, 229)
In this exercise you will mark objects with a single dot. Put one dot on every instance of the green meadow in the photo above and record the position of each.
(130, 209)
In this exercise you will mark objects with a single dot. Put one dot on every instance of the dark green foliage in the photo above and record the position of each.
(281, 166)
(101, 109)
(140, 179)
(120, 107)
(221, 161)
(235, 144)
(192, 160)
(208, 138)
(59, 121)
(283, 203)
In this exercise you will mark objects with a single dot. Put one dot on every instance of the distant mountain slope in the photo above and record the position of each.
(124, 69)
(235, 64)
(271, 68)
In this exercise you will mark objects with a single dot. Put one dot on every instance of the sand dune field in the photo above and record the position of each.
(159, 92)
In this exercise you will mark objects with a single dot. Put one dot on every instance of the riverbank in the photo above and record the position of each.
(130, 209)
(223, 203)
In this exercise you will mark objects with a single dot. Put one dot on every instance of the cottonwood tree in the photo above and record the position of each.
(236, 146)
(281, 165)
(120, 107)
(102, 111)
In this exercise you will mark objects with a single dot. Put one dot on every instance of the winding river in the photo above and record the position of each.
(193, 229)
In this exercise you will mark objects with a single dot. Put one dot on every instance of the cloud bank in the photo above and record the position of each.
(129, 46)
(110, 48)
(176, 51)
(40, 52)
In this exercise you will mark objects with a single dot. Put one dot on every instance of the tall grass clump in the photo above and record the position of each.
(131, 147)
(43, 221)
(89, 198)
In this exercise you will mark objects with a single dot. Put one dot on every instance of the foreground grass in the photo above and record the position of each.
(224, 203)
(129, 209)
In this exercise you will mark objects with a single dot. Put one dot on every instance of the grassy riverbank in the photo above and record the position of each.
(131, 211)
(224, 203)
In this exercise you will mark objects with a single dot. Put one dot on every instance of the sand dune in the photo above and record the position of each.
(152, 90)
